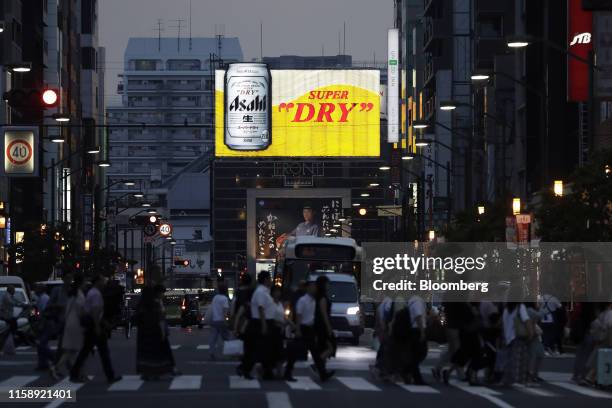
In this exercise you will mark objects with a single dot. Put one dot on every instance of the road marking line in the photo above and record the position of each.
(303, 383)
(419, 389)
(127, 383)
(175, 346)
(203, 347)
(242, 383)
(186, 382)
(483, 392)
(358, 384)
(22, 348)
(17, 381)
(539, 392)
(581, 390)
(278, 400)
(63, 385)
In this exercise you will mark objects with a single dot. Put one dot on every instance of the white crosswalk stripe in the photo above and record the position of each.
(552, 389)
(175, 346)
(589, 392)
(17, 381)
(65, 384)
(278, 400)
(358, 384)
(186, 382)
(483, 392)
(22, 348)
(419, 389)
(237, 382)
(303, 383)
(538, 392)
(127, 383)
(203, 347)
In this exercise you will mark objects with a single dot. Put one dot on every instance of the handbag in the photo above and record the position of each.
(233, 347)
(520, 327)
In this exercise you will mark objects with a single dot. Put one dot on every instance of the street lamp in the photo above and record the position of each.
(374, 184)
(87, 245)
(448, 105)
(558, 188)
(61, 118)
(152, 211)
(363, 211)
(57, 139)
(517, 42)
(139, 194)
(356, 204)
(145, 204)
(420, 124)
(104, 163)
(516, 206)
(1, 27)
(479, 76)
(384, 168)
(408, 157)
(421, 142)
(432, 235)
(481, 209)
(20, 67)
(94, 150)
(365, 194)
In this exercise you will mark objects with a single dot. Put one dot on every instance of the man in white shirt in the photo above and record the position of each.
(95, 333)
(262, 317)
(305, 309)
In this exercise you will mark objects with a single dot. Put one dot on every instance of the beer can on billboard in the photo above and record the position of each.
(248, 103)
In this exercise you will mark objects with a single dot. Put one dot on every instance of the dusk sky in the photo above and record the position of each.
(299, 27)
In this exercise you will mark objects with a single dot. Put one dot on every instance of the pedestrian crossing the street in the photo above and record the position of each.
(361, 383)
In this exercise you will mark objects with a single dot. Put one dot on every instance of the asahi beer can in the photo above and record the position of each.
(248, 100)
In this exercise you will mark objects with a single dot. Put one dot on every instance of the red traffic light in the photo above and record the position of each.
(49, 97)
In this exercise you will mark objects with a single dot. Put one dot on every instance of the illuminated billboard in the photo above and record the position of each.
(314, 113)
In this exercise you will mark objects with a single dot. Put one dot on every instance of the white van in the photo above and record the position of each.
(21, 291)
(343, 293)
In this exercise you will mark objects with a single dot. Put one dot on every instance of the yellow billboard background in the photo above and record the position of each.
(315, 113)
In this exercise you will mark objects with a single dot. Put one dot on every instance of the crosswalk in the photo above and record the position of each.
(557, 388)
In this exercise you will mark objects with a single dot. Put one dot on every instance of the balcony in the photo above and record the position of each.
(145, 104)
(184, 104)
(173, 86)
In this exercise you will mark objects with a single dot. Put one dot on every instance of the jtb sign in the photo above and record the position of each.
(579, 29)
(19, 151)
(315, 113)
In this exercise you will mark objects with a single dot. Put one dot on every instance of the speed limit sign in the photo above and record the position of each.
(165, 229)
(19, 147)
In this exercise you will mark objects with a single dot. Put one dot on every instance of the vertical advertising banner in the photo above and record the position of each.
(19, 151)
(393, 119)
(579, 33)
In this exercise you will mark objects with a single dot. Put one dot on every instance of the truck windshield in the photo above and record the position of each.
(343, 292)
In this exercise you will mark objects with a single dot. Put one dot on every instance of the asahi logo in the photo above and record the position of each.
(582, 38)
(243, 105)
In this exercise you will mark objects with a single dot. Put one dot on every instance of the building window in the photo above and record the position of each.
(144, 65)
(87, 16)
(183, 65)
(490, 26)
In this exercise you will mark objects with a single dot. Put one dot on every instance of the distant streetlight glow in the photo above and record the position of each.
(558, 188)
(374, 184)
(384, 168)
(87, 245)
(516, 206)
(481, 209)
(363, 211)
(432, 235)
(479, 77)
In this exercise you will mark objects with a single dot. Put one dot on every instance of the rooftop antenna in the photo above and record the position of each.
(339, 45)
(220, 36)
(179, 23)
(189, 25)
(159, 30)
(344, 43)
(260, 41)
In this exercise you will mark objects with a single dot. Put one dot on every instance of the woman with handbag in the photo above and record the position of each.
(153, 353)
(219, 314)
(518, 330)
(72, 336)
